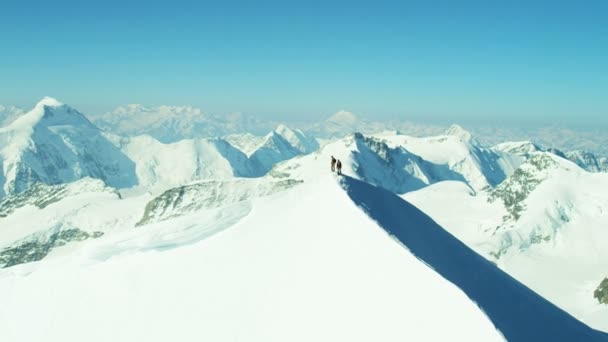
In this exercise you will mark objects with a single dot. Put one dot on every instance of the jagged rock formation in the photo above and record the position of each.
(513, 191)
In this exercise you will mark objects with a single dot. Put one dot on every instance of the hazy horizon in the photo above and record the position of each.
(474, 62)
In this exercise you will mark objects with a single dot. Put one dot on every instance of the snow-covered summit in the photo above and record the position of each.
(49, 101)
(343, 123)
(343, 117)
(457, 131)
(304, 143)
(54, 143)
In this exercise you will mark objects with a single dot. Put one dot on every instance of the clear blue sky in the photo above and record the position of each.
(456, 61)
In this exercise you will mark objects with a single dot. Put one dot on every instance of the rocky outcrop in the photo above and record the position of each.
(188, 199)
(38, 247)
(601, 293)
(515, 189)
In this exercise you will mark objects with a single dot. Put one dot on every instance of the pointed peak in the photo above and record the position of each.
(458, 131)
(282, 128)
(49, 102)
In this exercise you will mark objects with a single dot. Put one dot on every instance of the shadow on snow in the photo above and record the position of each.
(516, 311)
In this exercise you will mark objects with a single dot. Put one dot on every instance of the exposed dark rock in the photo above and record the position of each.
(601, 293)
(34, 249)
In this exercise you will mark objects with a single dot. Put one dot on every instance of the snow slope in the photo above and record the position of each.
(461, 153)
(162, 166)
(8, 114)
(299, 140)
(280, 273)
(55, 144)
(545, 225)
(402, 163)
(50, 219)
(514, 309)
(274, 271)
(273, 150)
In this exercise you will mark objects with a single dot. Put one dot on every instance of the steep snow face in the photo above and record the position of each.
(544, 225)
(296, 138)
(274, 150)
(162, 166)
(458, 152)
(401, 163)
(245, 142)
(55, 144)
(461, 133)
(521, 149)
(588, 161)
(396, 168)
(8, 114)
(514, 309)
(319, 270)
(170, 124)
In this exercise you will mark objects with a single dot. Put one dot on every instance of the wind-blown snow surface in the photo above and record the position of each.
(298, 267)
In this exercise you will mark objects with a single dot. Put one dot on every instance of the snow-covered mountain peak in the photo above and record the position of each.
(49, 112)
(518, 148)
(458, 131)
(53, 144)
(49, 101)
(296, 138)
(343, 117)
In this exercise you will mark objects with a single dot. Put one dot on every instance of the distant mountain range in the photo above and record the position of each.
(68, 187)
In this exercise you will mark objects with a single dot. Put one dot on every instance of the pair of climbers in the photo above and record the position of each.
(336, 164)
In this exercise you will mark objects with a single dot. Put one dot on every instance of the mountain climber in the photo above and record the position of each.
(339, 166)
(333, 164)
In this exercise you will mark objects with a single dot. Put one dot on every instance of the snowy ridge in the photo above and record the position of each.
(514, 309)
(296, 138)
(8, 114)
(544, 225)
(273, 150)
(402, 163)
(229, 278)
(163, 166)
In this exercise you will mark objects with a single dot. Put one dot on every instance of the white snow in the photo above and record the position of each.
(556, 247)
(318, 270)
(304, 264)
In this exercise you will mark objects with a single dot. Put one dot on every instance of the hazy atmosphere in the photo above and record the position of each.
(471, 62)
